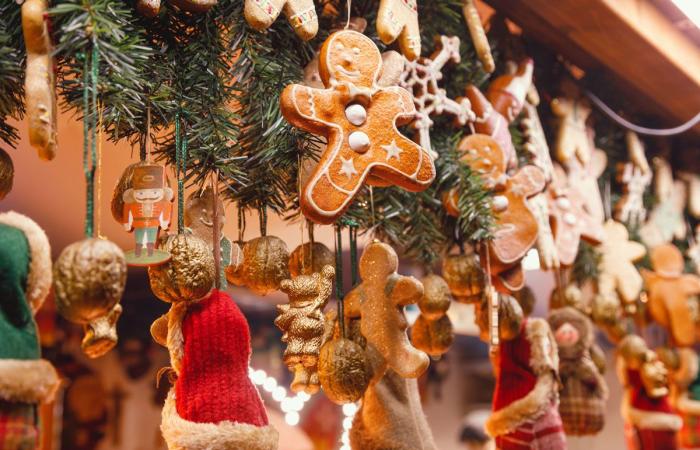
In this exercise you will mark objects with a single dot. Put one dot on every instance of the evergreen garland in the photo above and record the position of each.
(12, 61)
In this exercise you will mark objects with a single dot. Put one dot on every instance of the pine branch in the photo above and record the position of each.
(12, 62)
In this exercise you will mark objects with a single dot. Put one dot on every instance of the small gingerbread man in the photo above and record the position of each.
(516, 225)
(398, 19)
(359, 119)
(572, 136)
(379, 301)
(260, 14)
(617, 271)
(669, 292)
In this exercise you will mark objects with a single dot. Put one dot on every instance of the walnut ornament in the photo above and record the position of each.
(88, 279)
(190, 273)
(343, 370)
(302, 322)
(432, 332)
(310, 258)
(7, 173)
(264, 265)
(464, 276)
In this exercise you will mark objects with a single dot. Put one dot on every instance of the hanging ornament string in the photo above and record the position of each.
(216, 225)
(347, 24)
(100, 110)
(639, 129)
(492, 299)
(90, 76)
(339, 278)
(180, 159)
(352, 232)
(262, 213)
(241, 224)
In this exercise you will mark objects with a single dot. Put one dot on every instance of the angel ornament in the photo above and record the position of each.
(635, 176)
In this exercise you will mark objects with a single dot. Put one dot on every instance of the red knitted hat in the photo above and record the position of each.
(216, 405)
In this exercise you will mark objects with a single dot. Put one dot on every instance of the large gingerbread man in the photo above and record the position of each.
(516, 225)
(359, 119)
(379, 301)
(669, 293)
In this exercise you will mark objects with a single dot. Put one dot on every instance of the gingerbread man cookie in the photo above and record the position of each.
(379, 301)
(569, 218)
(666, 221)
(572, 137)
(516, 225)
(359, 119)
(398, 19)
(618, 255)
(669, 292)
(301, 14)
(421, 77)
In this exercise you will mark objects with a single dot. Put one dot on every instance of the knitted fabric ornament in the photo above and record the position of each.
(25, 379)
(213, 405)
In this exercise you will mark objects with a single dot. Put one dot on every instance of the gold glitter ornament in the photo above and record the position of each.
(303, 323)
(7, 173)
(264, 266)
(434, 337)
(343, 370)
(464, 276)
(300, 260)
(190, 273)
(378, 301)
(88, 279)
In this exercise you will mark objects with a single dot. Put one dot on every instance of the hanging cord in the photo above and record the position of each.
(180, 161)
(100, 110)
(339, 278)
(217, 236)
(262, 214)
(639, 129)
(241, 224)
(90, 77)
(347, 24)
(352, 234)
(493, 303)
(371, 205)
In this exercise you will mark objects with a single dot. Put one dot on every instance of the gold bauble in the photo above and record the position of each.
(464, 276)
(300, 260)
(510, 318)
(7, 173)
(434, 337)
(436, 297)
(190, 273)
(343, 370)
(89, 278)
(265, 265)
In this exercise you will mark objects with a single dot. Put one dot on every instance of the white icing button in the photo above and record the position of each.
(563, 203)
(356, 114)
(500, 203)
(570, 219)
(358, 141)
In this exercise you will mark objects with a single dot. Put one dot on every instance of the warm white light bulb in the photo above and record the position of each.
(292, 418)
(349, 409)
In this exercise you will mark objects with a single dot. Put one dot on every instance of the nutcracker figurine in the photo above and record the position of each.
(147, 208)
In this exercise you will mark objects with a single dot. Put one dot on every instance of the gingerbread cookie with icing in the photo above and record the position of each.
(572, 139)
(569, 219)
(669, 292)
(398, 19)
(516, 225)
(359, 119)
(617, 273)
(301, 14)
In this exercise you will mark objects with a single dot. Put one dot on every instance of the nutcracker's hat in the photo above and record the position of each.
(148, 176)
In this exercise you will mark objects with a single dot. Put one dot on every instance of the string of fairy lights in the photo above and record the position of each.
(292, 406)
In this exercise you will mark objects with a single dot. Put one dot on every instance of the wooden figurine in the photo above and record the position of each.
(147, 209)
(669, 292)
(302, 322)
(40, 80)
